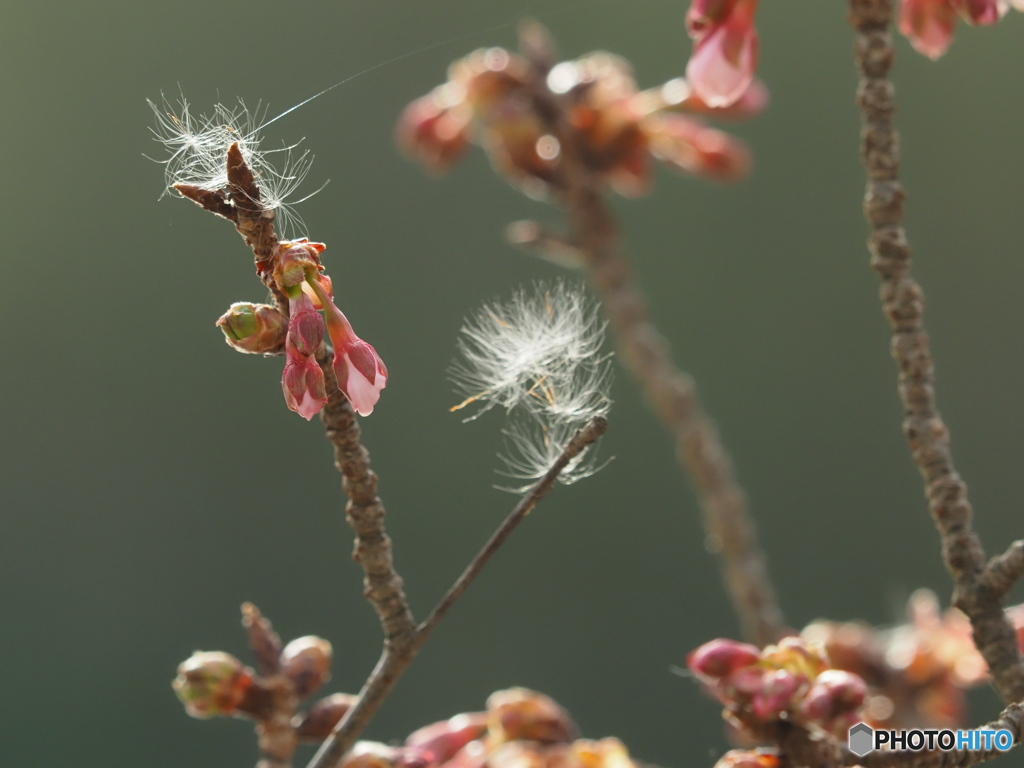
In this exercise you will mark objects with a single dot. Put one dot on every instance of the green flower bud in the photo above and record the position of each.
(212, 683)
(254, 328)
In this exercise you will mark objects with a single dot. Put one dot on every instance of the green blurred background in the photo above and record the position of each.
(153, 479)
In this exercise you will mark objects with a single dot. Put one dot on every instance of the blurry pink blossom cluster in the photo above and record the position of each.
(520, 729)
(495, 98)
(791, 681)
(725, 52)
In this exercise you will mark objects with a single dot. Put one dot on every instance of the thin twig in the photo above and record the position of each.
(672, 394)
(903, 303)
(579, 442)
(400, 652)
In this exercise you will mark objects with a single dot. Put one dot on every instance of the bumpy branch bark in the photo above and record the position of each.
(672, 394)
(979, 587)
(399, 653)
(382, 585)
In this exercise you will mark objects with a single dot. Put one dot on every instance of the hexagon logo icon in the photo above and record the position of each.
(861, 739)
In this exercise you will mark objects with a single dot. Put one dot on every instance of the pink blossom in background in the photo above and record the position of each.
(929, 25)
(725, 53)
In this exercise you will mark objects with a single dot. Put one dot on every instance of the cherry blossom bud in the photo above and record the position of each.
(371, 754)
(433, 133)
(835, 693)
(741, 685)
(688, 145)
(606, 753)
(319, 721)
(488, 77)
(777, 691)
(741, 758)
(294, 260)
(678, 94)
(718, 658)
(522, 714)
(473, 755)
(212, 683)
(306, 661)
(305, 325)
(360, 372)
(303, 384)
(253, 328)
(725, 52)
(519, 146)
(707, 13)
(520, 754)
(804, 659)
(439, 742)
(982, 12)
(928, 24)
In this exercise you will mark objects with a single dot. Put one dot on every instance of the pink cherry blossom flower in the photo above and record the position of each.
(929, 25)
(360, 371)
(725, 52)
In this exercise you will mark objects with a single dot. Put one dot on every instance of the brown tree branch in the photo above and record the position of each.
(672, 394)
(400, 651)
(1005, 570)
(364, 512)
(903, 303)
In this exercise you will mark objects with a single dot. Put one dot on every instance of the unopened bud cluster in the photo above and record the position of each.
(216, 684)
(296, 270)
(501, 100)
(212, 683)
(519, 729)
(917, 673)
(791, 681)
(930, 24)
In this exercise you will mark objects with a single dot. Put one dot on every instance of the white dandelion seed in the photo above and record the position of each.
(197, 147)
(539, 357)
(537, 343)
